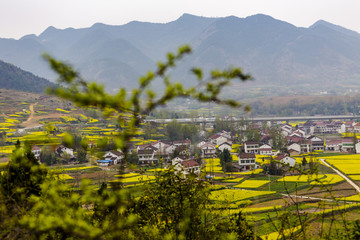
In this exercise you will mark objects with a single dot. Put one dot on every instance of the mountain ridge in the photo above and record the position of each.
(273, 51)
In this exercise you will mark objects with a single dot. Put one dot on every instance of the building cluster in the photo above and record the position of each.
(310, 136)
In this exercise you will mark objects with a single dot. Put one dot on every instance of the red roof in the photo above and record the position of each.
(189, 163)
(281, 156)
(265, 149)
(246, 155)
(35, 148)
(334, 142)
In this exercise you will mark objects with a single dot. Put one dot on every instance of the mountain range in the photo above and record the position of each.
(274, 52)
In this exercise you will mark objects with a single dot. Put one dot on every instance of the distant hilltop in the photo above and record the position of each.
(12, 77)
(275, 52)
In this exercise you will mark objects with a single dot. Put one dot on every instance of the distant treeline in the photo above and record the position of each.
(296, 108)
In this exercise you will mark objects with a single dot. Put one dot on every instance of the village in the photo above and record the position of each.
(297, 139)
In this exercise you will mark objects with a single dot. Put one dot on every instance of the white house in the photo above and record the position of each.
(247, 161)
(251, 147)
(185, 166)
(294, 146)
(218, 139)
(286, 160)
(115, 156)
(147, 156)
(225, 134)
(161, 146)
(286, 129)
(36, 151)
(225, 145)
(208, 150)
(176, 160)
(65, 150)
(265, 149)
(347, 145)
(334, 145)
(305, 146)
(185, 142)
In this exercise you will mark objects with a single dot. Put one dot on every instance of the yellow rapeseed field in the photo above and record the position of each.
(355, 177)
(78, 168)
(255, 171)
(62, 110)
(234, 195)
(251, 184)
(328, 180)
(348, 164)
(213, 165)
(135, 179)
(322, 179)
(126, 175)
(301, 178)
(233, 180)
(275, 235)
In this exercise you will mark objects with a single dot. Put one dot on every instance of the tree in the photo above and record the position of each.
(274, 168)
(174, 131)
(47, 155)
(133, 158)
(21, 180)
(225, 160)
(279, 141)
(252, 134)
(81, 155)
(2, 138)
(304, 162)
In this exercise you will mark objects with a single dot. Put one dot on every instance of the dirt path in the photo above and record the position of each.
(33, 121)
(357, 188)
(31, 116)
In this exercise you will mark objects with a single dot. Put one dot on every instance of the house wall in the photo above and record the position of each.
(288, 160)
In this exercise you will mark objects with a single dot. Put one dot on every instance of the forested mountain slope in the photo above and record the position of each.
(12, 77)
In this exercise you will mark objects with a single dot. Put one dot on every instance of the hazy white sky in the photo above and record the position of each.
(22, 17)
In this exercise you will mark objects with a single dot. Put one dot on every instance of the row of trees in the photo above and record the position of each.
(330, 106)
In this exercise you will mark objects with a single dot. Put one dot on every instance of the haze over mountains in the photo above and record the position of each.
(273, 51)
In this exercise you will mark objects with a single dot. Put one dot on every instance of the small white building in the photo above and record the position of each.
(185, 166)
(147, 156)
(294, 146)
(247, 161)
(265, 149)
(36, 151)
(115, 156)
(284, 159)
(65, 150)
(347, 145)
(218, 139)
(225, 145)
(208, 150)
(334, 145)
(251, 147)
